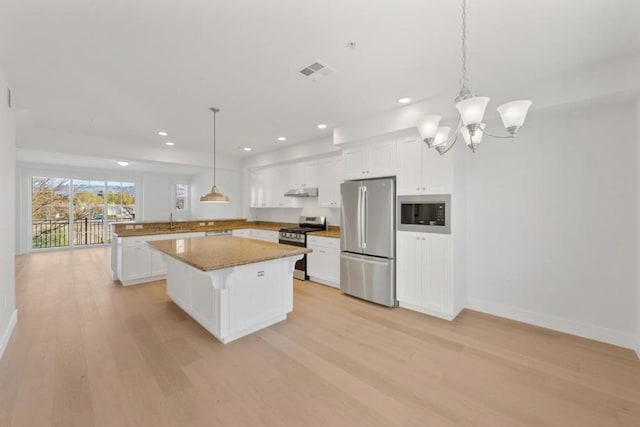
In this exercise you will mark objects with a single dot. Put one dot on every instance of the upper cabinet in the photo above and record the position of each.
(268, 186)
(370, 160)
(261, 188)
(304, 175)
(329, 188)
(422, 170)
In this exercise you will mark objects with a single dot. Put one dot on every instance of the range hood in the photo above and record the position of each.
(302, 192)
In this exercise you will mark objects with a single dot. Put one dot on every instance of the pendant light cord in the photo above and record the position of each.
(215, 110)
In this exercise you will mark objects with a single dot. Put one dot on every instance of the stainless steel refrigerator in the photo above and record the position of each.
(367, 242)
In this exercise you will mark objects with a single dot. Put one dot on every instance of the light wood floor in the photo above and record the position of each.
(87, 351)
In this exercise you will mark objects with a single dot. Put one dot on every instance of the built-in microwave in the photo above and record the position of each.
(427, 213)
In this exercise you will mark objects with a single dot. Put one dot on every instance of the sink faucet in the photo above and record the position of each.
(171, 221)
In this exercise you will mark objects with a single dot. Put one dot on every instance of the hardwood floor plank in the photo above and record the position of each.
(88, 351)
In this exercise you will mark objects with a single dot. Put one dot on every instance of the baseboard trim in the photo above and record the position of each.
(6, 336)
(585, 330)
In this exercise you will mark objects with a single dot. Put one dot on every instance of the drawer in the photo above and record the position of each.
(135, 241)
(330, 242)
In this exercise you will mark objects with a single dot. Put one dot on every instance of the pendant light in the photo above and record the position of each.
(214, 196)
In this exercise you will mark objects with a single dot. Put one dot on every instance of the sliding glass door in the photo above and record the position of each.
(78, 212)
(50, 212)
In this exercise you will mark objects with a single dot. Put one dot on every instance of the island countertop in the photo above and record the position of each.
(218, 252)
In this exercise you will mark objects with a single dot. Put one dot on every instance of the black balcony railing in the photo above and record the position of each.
(55, 234)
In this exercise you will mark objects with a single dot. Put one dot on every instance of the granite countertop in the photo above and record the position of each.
(218, 252)
(326, 233)
(150, 228)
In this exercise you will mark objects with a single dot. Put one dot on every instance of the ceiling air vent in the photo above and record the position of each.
(317, 68)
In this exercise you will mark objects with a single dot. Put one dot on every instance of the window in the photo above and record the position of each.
(75, 212)
(181, 201)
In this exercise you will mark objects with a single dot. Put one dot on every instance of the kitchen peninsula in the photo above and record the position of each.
(232, 286)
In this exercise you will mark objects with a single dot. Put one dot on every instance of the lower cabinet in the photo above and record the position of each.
(323, 264)
(423, 278)
(135, 264)
(138, 263)
(266, 235)
(242, 232)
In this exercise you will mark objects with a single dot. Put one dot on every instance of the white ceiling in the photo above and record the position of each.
(125, 69)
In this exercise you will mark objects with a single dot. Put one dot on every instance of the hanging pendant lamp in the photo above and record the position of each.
(214, 196)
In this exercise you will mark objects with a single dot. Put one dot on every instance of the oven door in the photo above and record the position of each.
(300, 271)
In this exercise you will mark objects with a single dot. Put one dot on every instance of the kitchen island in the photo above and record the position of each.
(230, 285)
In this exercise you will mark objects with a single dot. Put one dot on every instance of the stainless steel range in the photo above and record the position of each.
(297, 236)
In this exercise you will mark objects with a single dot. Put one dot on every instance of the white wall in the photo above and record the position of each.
(8, 312)
(552, 223)
(229, 182)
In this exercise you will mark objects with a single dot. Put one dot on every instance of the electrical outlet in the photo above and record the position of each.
(210, 223)
(128, 227)
(139, 227)
(202, 224)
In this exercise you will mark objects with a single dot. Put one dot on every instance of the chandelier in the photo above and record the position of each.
(471, 109)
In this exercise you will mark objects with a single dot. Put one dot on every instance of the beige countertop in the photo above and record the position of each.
(326, 233)
(218, 252)
(151, 228)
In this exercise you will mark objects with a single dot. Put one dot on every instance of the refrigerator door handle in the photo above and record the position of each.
(359, 217)
(363, 220)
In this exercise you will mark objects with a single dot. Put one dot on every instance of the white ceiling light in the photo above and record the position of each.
(163, 133)
(121, 163)
(282, 138)
(322, 126)
(471, 109)
(247, 148)
(214, 196)
(404, 100)
(169, 143)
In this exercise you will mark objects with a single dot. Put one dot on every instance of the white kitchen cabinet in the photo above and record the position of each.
(370, 160)
(281, 183)
(323, 264)
(262, 191)
(137, 262)
(266, 235)
(422, 169)
(423, 278)
(244, 232)
(305, 175)
(329, 187)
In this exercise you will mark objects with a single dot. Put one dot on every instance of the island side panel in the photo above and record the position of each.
(233, 302)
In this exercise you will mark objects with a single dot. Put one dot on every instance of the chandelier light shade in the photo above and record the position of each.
(428, 128)
(214, 196)
(513, 113)
(441, 136)
(471, 109)
(473, 140)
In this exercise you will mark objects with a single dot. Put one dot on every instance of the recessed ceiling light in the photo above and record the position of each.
(123, 163)
(247, 148)
(322, 126)
(169, 143)
(163, 133)
(282, 138)
(404, 100)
